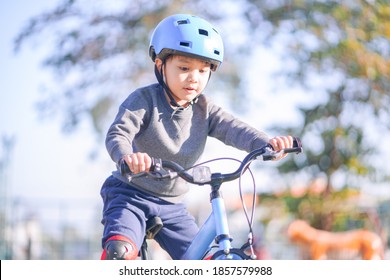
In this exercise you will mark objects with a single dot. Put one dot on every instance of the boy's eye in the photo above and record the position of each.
(184, 68)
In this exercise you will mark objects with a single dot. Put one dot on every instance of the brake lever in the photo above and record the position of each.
(131, 176)
(269, 154)
(157, 171)
(161, 174)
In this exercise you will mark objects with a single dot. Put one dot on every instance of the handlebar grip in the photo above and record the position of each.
(125, 170)
(297, 146)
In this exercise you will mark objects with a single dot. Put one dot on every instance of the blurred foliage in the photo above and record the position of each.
(336, 212)
(338, 51)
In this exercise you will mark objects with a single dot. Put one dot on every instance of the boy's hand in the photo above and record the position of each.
(138, 162)
(280, 143)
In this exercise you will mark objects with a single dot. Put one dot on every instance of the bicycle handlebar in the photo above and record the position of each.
(165, 169)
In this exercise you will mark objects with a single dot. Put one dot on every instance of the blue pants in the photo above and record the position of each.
(126, 210)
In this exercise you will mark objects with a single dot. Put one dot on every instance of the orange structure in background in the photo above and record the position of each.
(320, 244)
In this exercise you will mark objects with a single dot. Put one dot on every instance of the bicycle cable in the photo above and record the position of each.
(211, 160)
(250, 219)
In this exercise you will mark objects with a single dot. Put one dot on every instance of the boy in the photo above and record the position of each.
(170, 120)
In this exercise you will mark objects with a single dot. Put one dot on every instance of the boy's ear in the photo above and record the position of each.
(158, 63)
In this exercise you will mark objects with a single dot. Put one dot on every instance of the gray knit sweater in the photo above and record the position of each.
(147, 123)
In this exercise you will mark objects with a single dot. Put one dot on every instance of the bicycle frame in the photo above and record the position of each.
(215, 227)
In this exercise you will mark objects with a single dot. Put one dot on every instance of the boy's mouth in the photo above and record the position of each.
(190, 89)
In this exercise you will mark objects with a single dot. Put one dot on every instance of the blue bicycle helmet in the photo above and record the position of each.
(187, 35)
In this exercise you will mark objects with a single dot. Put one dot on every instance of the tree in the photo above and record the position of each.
(346, 44)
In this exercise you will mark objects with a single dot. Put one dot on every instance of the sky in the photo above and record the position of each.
(48, 167)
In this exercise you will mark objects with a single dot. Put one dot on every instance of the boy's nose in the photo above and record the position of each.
(193, 76)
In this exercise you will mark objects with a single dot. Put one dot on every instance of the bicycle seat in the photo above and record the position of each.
(153, 226)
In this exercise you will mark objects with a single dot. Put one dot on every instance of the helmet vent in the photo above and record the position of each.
(216, 52)
(185, 44)
(203, 32)
(183, 21)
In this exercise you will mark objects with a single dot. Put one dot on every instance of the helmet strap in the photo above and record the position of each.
(160, 78)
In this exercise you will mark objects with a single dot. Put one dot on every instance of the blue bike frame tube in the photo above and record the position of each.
(202, 240)
(222, 226)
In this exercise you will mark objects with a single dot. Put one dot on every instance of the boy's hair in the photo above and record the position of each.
(187, 35)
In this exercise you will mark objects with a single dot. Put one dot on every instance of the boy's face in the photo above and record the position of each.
(186, 77)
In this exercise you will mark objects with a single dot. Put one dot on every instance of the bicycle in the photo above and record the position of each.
(215, 229)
